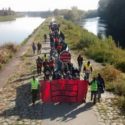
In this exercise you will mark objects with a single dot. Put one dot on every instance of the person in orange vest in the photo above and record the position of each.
(87, 69)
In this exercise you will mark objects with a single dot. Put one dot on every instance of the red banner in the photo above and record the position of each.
(63, 90)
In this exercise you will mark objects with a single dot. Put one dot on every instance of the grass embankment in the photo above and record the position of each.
(7, 18)
(103, 51)
(6, 52)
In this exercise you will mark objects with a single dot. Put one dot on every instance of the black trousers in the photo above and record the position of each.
(93, 96)
(34, 93)
(39, 69)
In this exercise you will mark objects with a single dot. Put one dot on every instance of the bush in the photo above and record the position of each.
(120, 102)
(6, 52)
(120, 88)
(111, 74)
(114, 80)
(120, 65)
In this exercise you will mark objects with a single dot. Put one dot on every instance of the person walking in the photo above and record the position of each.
(87, 69)
(33, 47)
(52, 64)
(39, 46)
(45, 37)
(94, 89)
(80, 62)
(101, 86)
(47, 72)
(39, 63)
(34, 89)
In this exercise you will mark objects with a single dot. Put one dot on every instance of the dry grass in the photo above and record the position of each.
(6, 52)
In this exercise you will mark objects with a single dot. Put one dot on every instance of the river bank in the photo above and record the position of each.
(8, 18)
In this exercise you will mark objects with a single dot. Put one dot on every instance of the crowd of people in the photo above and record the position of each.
(53, 68)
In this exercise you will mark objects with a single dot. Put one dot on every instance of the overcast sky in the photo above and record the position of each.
(37, 5)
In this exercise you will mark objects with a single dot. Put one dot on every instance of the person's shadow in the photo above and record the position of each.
(24, 110)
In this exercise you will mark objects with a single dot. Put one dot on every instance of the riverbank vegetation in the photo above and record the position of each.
(73, 15)
(103, 51)
(7, 18)
(6, 52)
(113, 12)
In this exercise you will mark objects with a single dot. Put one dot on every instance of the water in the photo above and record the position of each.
(95, 25)
(99, 27)
(17, 30)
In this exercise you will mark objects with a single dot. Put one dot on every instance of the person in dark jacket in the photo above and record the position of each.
(80, 62)
(39, 46)
(45, 37)
(39, 63)
(47, 72)
(101, 86)
(33, 47)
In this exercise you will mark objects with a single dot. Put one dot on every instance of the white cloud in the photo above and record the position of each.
(26, 5)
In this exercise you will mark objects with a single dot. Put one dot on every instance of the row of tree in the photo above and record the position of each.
(74, 14)
(113, 11)
(5, 12)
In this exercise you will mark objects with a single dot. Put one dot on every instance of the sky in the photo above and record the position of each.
(41, 5)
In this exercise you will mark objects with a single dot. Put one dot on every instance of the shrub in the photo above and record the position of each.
(120, 102)
(6, 52)
(120, 65)
(111, 74)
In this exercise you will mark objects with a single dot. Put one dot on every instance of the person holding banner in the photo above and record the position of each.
(94, 89)
(47, 72)
(34, 89)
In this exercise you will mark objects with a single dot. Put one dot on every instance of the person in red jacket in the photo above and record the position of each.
(56, 41)
(59, 48)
